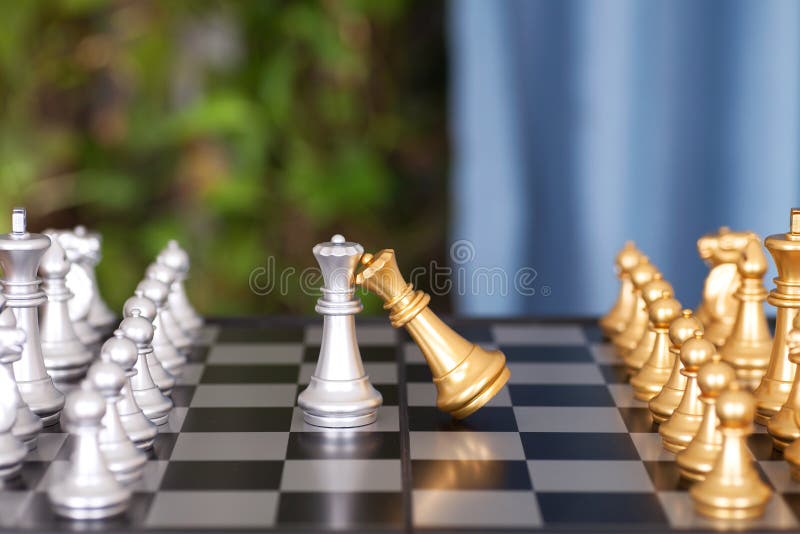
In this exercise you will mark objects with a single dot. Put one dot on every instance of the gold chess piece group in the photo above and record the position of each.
(708, 375)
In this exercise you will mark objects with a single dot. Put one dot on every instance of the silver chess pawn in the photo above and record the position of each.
(20, 253)
(156, 293)
(88, 489)
(339, 393)
(175, 333)
(122, 351)
(174, 257)
(65, 357)
(27, 425)
(12, 450)
(146, 307)
(149, 398)
(123, 459)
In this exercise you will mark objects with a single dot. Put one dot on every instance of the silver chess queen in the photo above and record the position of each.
(339, 393)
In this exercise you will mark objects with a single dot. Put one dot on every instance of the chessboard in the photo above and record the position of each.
(563, 447)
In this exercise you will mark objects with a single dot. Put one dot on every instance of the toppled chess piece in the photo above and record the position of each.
(27, 425)
(149, 398)
(174, 257)
(175, 333)
(621, 313)
(122, 352)
(65, 357)
(339, 393)
(697, 460)
(748, 347)
(88, 490)
(649, 381)
(466, 375)
(733, 490)
(123, 459)
(679, 430)
(12, 450)
(20, 253)
(773, 391)
(680, 330)
(718, 308)
(166, 353)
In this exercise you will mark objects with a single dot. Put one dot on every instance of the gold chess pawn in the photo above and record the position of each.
(621, 313)
(749, 345)
(681, 329)
(466, 375)
(654, 374)
(773, 391)
(626, 340)
(651, 292)
(718, 308)
(733, 490)
(696, 460)
(679, 430)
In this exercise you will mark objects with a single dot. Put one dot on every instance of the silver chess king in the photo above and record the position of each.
(339, 394)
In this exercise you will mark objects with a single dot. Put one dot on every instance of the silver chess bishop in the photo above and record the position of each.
(339, 393)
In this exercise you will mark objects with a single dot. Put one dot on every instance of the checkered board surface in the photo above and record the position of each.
(563, 447)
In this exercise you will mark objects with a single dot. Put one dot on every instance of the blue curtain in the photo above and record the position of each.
(578, 124)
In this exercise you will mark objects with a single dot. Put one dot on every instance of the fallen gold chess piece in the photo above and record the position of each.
(466, 376)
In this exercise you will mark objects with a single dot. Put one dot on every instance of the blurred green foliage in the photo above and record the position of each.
(245, 129)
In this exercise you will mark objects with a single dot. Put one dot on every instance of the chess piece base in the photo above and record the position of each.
(43, 399)
(11, 460)
(139, 428)
(27, 427)
(484, 370)
(154, 404)
(782, 428)
(87, 509)
(125, 465)
(770, 395)
(663, 405)
(339, 403)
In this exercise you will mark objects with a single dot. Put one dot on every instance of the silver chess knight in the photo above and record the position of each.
(20, 253)
(65, 357)
(339, 393)
(81, 283)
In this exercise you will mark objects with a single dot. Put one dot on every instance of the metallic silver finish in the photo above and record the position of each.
(27, 425)
(20, 253)
(88, 490)
(164, 379)
(149, 398)
(65, 357)
(174, 257)
(123, 459)
(166, 353)
(80, 281)
(100, 315)
(12, 450)
(122, 351)
(175, 333)
(339, 393)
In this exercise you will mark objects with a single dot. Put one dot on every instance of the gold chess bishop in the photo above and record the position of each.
(466, 375)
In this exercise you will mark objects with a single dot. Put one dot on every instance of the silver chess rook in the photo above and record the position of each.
(339, 394)
(20, 254)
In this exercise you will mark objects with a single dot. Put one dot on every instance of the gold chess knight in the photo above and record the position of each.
(466, 375)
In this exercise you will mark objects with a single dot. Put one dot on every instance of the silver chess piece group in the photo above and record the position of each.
(52, 319)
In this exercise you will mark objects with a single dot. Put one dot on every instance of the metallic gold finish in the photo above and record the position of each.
(681, 329)
(651, 292)
(679, 430)
(696, 460)
(774, 388)
(749, 345)
(626, 340)
(792, 452)
(621, 313)
(466, 375)
(718, 308)
(654, 374)
(733, 490)
(783, 426)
